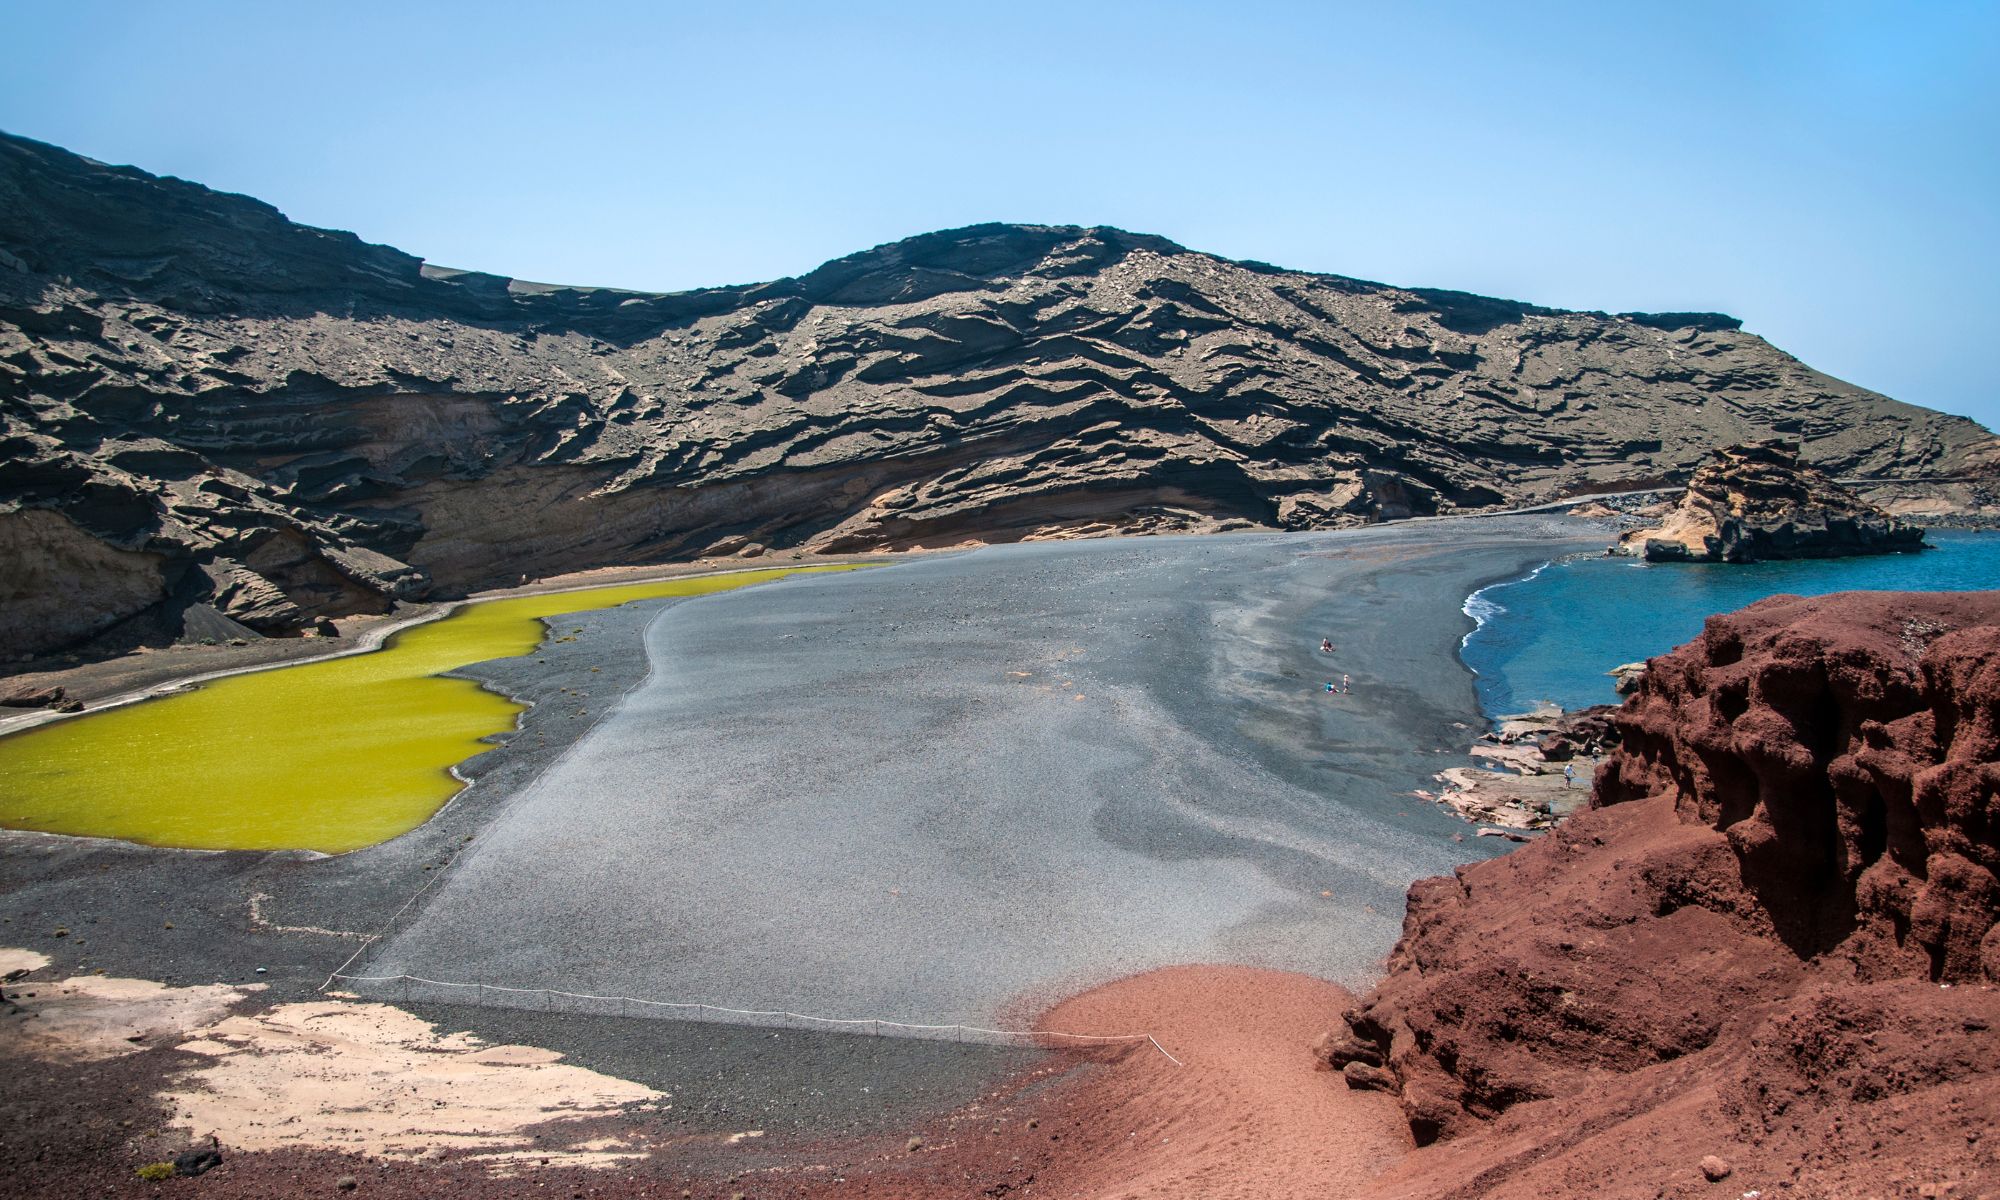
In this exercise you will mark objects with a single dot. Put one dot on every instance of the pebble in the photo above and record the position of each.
(1715, 1169)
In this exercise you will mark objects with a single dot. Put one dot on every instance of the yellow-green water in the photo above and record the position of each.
(330, 755)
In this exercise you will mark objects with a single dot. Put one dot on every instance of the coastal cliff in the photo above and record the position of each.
(1772, 942)
(1756, 502)
(206, 405)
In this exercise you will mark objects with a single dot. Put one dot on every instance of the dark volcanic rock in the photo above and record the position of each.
(198, 1161)
(1756, 502)
(1775, 930)
(30, 696)
(205, 403)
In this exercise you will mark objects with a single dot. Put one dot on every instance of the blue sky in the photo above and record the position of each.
(1830, 173)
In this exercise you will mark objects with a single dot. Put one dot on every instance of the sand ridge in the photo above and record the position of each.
(1248, 1114)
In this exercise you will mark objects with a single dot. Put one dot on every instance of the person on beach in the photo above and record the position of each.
(1326, 645)
(1569, 774)
(1330, 687)
(1344, 688)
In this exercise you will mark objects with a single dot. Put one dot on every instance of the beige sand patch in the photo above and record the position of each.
(91, 1017)
(14, 959)
(374, 1079)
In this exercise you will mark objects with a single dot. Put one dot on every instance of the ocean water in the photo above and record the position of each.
(1554, 634)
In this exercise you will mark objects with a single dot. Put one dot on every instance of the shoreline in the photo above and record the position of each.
(1482, 792)
(1618, 609)
(1513, 796)
(595, 577)
(372, 637)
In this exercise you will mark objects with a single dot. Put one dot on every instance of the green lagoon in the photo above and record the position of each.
(331, 755)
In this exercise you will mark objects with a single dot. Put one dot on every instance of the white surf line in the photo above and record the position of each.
(369, 642)
(874, 1023)
(1481, 609)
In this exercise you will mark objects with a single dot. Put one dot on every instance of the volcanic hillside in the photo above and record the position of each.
(205, 403)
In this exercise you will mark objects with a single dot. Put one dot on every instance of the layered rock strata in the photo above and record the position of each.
(1757, 501)
(203, 402)
(1774, 934)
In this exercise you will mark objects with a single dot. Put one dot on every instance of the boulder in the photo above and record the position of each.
(30, 695)
(1625, 677)
(1591, 730)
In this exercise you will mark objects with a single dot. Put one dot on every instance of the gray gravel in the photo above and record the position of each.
(876, 794)
(726, 1078)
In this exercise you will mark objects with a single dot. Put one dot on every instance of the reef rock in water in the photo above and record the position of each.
(1773, 938)
(1756, 502)
(203, 403)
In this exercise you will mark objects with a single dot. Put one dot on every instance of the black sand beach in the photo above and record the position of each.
(1192, 807)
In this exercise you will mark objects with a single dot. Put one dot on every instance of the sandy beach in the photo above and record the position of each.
(962, 787)
(879, 793)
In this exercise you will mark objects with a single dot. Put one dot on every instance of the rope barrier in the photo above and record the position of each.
(875, 1024)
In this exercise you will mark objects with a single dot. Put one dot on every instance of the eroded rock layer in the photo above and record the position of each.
(1773, 939)
(1757, 502)
(288, 422)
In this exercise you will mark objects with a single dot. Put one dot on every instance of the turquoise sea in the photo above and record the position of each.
(1554, 634)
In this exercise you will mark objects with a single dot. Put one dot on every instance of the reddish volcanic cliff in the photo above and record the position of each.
(1773, 941)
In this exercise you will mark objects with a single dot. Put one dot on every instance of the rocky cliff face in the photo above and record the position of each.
(1774, 938)
(1756, 502)
(206, 403)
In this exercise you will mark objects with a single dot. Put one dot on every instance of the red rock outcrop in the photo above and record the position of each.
(1850, 755)
(1773, 939)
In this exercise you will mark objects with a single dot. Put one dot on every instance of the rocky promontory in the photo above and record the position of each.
(1758, 501)
(1530, 771)
(1772, 941)
(204, 404)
